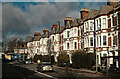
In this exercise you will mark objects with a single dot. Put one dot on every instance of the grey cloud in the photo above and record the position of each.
(14, 21)
(36, 17)
(19, 22)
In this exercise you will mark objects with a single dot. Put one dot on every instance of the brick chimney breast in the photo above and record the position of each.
(84, 12)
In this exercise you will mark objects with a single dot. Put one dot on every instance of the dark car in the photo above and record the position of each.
(45, 66)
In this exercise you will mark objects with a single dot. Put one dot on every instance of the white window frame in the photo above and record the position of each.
(104, 23)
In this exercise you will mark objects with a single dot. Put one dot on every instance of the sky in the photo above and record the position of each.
(25, 18)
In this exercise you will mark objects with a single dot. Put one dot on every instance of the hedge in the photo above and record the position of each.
(62, 59)
(81, 59)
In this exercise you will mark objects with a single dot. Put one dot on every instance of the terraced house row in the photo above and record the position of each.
(97, 31)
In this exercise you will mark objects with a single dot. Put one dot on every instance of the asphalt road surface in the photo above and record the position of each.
(29, 71)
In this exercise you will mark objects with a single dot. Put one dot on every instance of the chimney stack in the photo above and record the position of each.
(36, 34)
(67, 19)
(45, 31)
(84, 12)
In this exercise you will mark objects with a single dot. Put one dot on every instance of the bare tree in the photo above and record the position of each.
(8, 44)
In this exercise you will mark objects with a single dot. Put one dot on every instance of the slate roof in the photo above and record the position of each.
(75, 22)
(104, 10)
(37, 38)
(91, 14)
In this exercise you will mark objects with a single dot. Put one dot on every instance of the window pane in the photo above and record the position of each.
(119, 18)
(113, 39)
(97, 41)
(91, 25)
(91, 41)
(68, 33)
(104, 40)
(75, 45)
(67, 45)
(100, 22)
(104, 22)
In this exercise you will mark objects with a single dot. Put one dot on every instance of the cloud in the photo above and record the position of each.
(93, 5)
(25, 21)
(16, 21)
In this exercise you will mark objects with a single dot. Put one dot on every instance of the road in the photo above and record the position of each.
(29, 71)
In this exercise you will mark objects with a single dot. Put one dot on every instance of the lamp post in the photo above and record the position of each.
(108, 63)
(96, 61)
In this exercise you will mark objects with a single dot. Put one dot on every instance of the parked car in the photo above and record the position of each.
(27, 61)
(45, 66)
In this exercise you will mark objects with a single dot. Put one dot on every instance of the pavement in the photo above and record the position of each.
(82, 70)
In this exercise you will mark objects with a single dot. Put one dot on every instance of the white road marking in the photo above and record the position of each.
(46, 75)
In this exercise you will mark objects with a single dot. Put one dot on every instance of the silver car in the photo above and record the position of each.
(45, 66)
